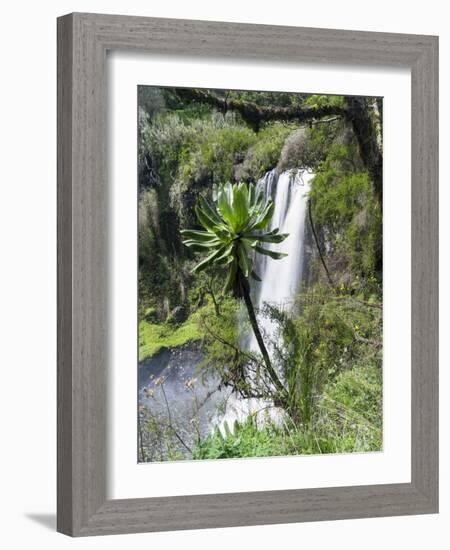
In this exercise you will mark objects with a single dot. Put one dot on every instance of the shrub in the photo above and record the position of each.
(245, 440)
(265, 153)
(349, 413)
(345, 209)
(327, 333)
(348, 419)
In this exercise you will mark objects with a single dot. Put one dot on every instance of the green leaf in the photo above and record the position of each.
(245, 263)
(276, 238)
(264, 218)
(201, 247)
(229, 283)
(225, 204)
(207, 223)
(225, 256)
(227, 429)
(233, 224)
(202, 236)
(271, 253)
(240, 210)
(220, 229)
(251, 243)
(225, 259)
(259, 201)
(209, 210)
(209, 260)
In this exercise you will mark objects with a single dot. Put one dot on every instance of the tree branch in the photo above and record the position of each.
(229, 344)
(255, 114)
(330, 280)
(171, 425)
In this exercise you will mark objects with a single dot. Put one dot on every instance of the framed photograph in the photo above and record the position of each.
(247, 274)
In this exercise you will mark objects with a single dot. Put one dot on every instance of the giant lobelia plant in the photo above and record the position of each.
(234, 231)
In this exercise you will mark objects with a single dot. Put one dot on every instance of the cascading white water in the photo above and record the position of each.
(281, 279)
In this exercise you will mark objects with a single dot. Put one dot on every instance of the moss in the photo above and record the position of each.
(153, 337)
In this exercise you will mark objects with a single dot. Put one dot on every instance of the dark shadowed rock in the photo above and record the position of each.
(179, 315)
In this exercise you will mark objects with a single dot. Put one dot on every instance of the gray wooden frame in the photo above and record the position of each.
(83, 40)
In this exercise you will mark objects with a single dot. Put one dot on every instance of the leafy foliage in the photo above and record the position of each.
(245, 440)
(318, 101)
(264, 154)
(348, 419)
(233, 231)
(351, 408)
(328, 333)
(347, 212)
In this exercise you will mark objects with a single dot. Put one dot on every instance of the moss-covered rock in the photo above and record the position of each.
(153, 337)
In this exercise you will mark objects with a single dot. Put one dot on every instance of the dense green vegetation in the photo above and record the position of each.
(327, 350)
(348, 419)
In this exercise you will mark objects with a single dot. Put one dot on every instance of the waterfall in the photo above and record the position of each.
(281, 279)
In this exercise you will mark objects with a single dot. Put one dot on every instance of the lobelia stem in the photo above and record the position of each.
(253, 321)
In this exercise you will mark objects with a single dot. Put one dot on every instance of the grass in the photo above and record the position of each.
(348, 419)
(153, 337)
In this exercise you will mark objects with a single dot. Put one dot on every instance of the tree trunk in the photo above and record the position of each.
(370, 150)
(253, 321)
(366, 136)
